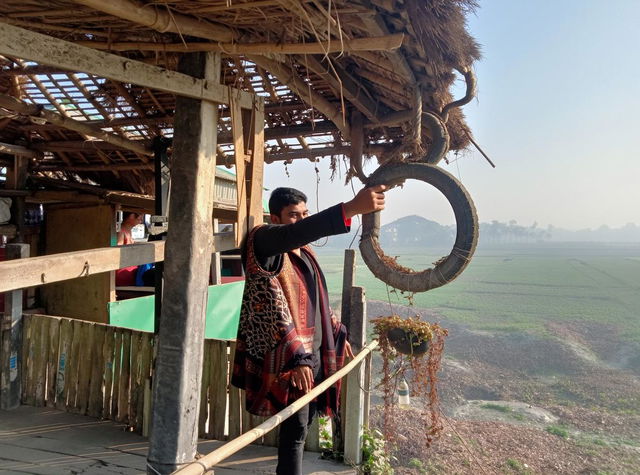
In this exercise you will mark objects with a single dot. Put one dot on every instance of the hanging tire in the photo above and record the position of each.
(446, 269)
(439, 138)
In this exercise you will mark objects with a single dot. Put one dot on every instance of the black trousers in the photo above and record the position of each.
(293, 433)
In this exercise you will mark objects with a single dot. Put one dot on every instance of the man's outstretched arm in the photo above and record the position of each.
(278, 239)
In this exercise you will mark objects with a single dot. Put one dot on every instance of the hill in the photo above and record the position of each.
(409, 231)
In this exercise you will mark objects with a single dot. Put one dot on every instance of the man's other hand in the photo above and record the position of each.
(349, 351)
(302, 378)
(366, 201)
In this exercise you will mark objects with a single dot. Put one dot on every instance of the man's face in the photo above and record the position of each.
(291, 214)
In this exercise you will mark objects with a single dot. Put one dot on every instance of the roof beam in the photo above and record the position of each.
(47, 50)
(289, 78)
(166, 119)
(20, 107)
(20, 43)
(377, 43)
(95, 168)
(18, 150)
(342, 83)
(117, 122)
(161, 19)
(313, 153)
(324, 127)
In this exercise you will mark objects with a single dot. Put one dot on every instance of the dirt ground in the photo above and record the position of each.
(568, 402)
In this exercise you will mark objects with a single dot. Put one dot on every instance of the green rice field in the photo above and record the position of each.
(520, 288)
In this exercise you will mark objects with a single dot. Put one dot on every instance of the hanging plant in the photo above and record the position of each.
(411, 350)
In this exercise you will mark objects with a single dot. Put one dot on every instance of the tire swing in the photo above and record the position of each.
(446, 269)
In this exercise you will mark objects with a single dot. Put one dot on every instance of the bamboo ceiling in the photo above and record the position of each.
(387, 59)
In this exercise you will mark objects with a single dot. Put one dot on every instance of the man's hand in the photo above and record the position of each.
(302, 378)
(366, 201)
(348, 351)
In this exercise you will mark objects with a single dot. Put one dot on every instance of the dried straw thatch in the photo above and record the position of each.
(315, 61)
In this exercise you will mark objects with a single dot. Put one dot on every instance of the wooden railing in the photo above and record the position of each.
(203, 464)
(104, 371)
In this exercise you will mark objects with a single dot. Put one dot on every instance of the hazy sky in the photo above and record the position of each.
(557, 111)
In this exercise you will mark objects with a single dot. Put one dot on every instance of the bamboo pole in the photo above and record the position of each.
(205, 463)
(375, 43)
(161, 19)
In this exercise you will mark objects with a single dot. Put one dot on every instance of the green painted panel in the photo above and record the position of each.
(223, 311)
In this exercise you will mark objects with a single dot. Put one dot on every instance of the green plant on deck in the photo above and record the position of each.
(375, 458)
(326, 438)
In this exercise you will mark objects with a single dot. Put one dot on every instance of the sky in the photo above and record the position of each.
(556, 111)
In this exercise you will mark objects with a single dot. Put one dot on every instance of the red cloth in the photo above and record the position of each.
(347, 221)
(126, 276)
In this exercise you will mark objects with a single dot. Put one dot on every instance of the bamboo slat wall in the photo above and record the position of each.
(103, 371)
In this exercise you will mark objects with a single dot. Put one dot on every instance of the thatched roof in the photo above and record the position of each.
(314, 61)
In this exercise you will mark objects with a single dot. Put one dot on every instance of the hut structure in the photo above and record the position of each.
(101, 102)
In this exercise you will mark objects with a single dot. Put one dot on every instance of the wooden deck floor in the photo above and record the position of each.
(45, 441)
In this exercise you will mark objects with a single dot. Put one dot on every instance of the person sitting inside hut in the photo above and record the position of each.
(134, 275)
(287, 339)
(129, 220)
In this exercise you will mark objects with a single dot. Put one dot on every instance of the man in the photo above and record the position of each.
(287, 339)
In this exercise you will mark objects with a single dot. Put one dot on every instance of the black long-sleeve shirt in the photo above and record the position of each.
(273, 240)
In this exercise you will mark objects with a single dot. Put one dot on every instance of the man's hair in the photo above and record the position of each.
(283, 197)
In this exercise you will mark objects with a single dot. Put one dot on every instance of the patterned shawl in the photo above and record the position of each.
(276, 334)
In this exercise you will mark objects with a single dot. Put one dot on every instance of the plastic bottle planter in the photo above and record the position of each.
(447, 268)
(407, 342)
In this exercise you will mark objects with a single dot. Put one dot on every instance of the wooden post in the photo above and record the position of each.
(16, 180)
(255, 173)
(216, 261)
(355, 400)
(237, 129)
(178, 375)
(348, 279)
(10, 387)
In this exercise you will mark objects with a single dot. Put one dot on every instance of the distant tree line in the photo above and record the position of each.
(511, 232)
(416, 231)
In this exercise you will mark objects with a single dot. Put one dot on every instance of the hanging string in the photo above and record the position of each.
(315, 166)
